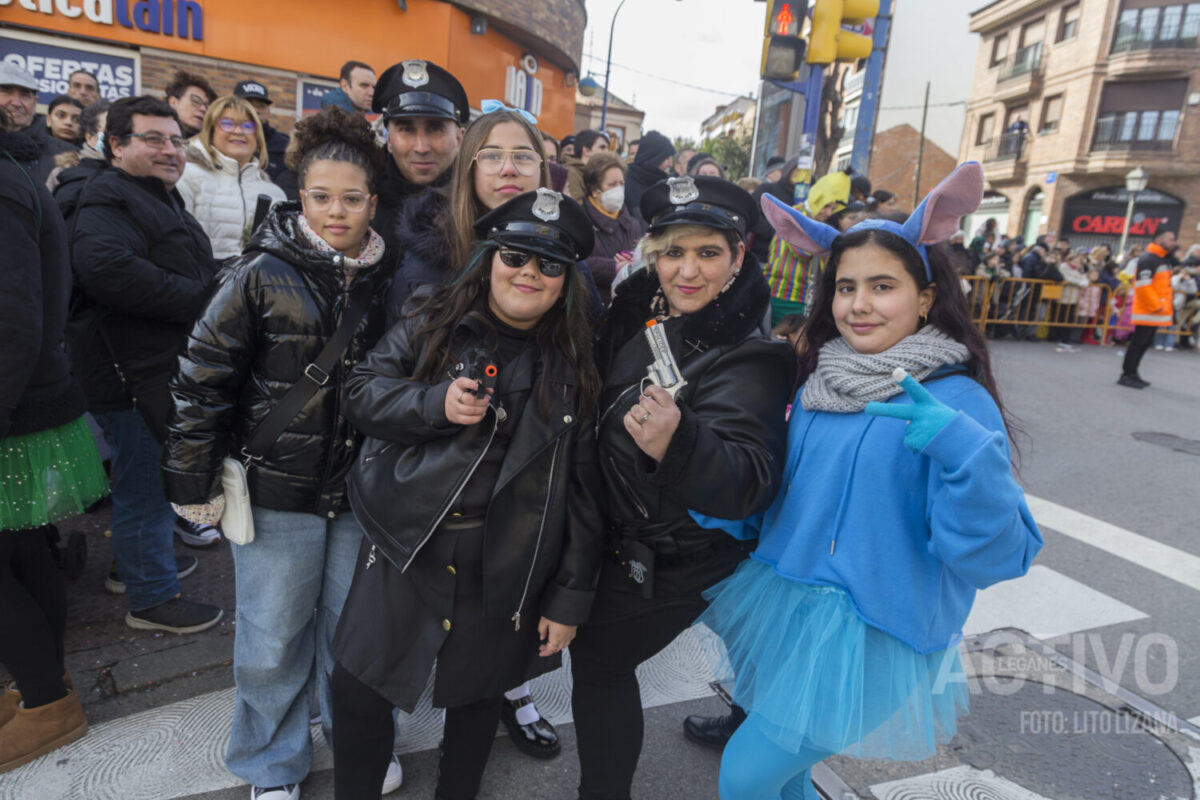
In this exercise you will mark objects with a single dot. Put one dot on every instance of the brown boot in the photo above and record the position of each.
(10, 698)
(33, 732)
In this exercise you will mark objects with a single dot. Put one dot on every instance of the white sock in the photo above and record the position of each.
(528, 713)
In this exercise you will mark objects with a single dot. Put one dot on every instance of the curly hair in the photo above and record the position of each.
(334, 135)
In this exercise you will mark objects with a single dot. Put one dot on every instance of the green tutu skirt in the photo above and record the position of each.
(48, 476)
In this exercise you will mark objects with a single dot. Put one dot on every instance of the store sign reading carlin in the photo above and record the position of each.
(52, 65)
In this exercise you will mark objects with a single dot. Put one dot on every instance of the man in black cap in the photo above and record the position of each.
(649, 166)
(256, 94)
(425, 110)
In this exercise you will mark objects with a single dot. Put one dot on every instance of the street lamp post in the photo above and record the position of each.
(1135, 181)
(608, 68)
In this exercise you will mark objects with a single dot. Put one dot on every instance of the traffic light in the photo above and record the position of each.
(783, 49)
(827, 42)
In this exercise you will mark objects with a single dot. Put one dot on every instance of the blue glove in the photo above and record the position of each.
(927, 415)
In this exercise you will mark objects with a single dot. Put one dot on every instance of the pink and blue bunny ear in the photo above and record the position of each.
(936, 219)
(794, 227)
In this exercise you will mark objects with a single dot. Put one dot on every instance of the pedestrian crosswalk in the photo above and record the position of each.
(177, 750)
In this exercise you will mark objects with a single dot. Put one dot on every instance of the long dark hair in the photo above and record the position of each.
(563, 334)
(949, 312)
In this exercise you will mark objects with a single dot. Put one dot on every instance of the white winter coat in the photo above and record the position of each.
(222, 197)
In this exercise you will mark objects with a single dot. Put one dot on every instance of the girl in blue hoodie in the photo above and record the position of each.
(899, 503)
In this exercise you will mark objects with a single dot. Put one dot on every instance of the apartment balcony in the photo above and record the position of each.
(1021, 76)
(1004, 159)
(1134, 56)
(1122, 147)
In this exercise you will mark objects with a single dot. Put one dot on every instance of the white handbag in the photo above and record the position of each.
(237, 523)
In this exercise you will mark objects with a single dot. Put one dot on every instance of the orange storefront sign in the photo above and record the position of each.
(314, 37)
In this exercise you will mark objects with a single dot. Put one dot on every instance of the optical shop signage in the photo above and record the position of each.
(182, 18)
(52, 64)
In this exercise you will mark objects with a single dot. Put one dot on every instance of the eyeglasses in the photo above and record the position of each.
(198, 101)
(519, 258)
(156, 141)
(491, 160)
(353, 202)
(229, 126)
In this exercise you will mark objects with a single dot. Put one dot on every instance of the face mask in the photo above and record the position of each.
(613, 199)
(100, 141)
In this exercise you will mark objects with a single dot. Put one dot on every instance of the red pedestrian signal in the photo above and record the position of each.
(783, 49)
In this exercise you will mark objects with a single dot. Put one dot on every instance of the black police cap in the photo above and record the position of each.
(699, 200)
(544, 222)
(416, 88)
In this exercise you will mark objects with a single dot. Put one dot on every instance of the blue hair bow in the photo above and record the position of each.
(488, 106)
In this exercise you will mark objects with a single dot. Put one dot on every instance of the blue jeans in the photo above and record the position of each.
(1164, 339)
(142, 519)
(296, 564)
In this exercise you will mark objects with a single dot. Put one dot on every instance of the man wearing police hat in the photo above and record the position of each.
(425, 110)
(256, 95)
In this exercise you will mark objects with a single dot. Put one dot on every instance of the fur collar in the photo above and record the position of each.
(731, 317)
(419, 229)
(21, 147)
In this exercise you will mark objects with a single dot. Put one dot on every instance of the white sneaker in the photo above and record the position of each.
(290, 791)
(394, 777)
(194, 535)
(1168, 349)
(1158, 347)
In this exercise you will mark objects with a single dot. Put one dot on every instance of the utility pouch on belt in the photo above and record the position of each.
(638, 559)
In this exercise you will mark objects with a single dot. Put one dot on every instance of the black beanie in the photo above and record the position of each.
(653, 148)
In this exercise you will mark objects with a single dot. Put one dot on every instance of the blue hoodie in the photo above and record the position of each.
(909, 536)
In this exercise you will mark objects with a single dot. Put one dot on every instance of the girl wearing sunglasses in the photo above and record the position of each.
(225, 174)
(501, 156)
(475, 488)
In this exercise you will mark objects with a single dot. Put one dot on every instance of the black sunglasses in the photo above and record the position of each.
(519, 258)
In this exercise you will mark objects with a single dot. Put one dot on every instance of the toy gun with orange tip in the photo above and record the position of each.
(664, 369)
(486, 381)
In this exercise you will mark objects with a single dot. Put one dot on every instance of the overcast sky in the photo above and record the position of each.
(715, 46)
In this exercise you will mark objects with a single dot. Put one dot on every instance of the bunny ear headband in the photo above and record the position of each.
(935, 220)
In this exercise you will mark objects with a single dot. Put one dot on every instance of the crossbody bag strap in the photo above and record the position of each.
(316, 375)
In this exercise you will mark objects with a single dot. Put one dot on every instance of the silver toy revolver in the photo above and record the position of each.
(664, 369)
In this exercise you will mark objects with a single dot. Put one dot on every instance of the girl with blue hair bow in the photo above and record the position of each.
(899, 503)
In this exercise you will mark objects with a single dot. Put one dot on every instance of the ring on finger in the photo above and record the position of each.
(642, 419)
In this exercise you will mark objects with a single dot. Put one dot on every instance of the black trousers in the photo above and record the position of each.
(607, 701)
(362, 742)
(33, 616)
(1139, 343)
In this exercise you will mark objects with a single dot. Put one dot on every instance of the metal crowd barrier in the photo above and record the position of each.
(1022, 305)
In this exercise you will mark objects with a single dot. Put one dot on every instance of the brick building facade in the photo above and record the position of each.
(894, 164)
(525, 54)
(1068, 97)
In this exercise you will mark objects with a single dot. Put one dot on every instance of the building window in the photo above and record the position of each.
(1051, 113)
(987, 128)
(1158, 27)
(1033, 32)
(1068, 23)
(1136, 130)
(999, 50)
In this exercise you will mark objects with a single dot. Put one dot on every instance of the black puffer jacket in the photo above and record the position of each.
(143, 267)
(271, 315)
(638, 179)
(37, 392)
(726, 457)
(543, 530)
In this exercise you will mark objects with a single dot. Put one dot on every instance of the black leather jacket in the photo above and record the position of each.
(726, 457)
(273, 312)
(543, 530)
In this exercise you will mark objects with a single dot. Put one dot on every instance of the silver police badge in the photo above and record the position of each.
(416, 74)
(683, 190)
(545, 207)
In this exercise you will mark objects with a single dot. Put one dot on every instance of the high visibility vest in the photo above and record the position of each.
(1152, 304)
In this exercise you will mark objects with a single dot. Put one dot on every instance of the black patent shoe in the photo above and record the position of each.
(538, 739)
(714, 731)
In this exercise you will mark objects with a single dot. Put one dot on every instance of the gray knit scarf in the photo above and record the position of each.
(845, 381)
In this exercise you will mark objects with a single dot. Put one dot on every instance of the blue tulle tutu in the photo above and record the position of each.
(819, 677)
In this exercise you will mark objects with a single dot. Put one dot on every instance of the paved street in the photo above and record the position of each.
(1112, 478)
